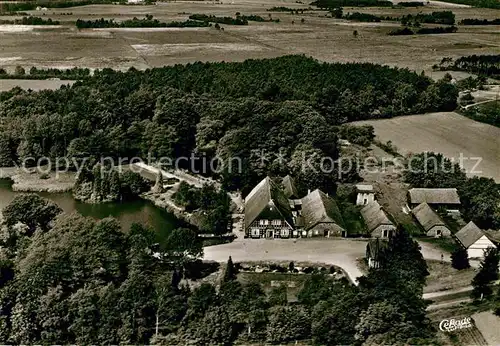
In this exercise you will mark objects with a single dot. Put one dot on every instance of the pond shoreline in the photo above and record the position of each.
(139, 210)
(33, 181)
(164, 202)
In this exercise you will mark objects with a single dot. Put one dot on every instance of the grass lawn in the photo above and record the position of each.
(444, 277)
(447, 244)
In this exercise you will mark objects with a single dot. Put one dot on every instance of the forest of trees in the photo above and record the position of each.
(211, 206)
(436, 17)
(73, 280)
(269, 113)
(30, 21)
(479, 196)
(147, 22)
(99, 184)
(487, 65)
(362, 17)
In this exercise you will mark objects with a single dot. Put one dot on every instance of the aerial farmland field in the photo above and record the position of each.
(321, 37)
(448, 133)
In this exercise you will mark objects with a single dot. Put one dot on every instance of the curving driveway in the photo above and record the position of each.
(337, 251)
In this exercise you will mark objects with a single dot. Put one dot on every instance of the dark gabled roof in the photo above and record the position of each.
(469, 234)
(427, 217)
(289, 187)
(434, 196)
(374, 216)
(266, 193)
(375, 247)
(317, 207)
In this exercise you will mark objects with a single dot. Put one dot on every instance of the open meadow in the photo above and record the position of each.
(321, 37)
(448, 133)
(33, 84)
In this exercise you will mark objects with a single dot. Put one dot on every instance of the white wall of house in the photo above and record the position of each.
(364, 198)
(476, 250)
(383, 231)
(439, 231)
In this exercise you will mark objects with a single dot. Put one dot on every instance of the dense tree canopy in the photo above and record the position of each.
(433, 170)
(31, 210)
(82, 281)
(261, 111)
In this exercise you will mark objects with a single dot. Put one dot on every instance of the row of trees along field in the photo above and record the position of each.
(436, 17)
(330, 4)
(479, 196)
(220, 20)
(195, 20)
(476, 21)
(30, 21)
(486, 65)
(67, 279)
(10, 7)
(74, 73)
(424, 31)
(147, 22)
(268, 113)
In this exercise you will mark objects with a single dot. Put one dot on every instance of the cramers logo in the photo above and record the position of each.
(453, 324)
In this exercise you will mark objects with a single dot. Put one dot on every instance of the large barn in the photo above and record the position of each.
(474, 240)
(430, 221)
(267, 212)
(435, 198)
(377, 222)
(321, 216)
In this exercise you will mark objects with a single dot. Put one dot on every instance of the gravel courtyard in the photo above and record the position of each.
(340, 252)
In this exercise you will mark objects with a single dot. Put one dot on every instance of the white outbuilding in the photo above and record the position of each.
(474, 240)
(366, 194)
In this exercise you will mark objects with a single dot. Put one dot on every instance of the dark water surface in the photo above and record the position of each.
(139, 211)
